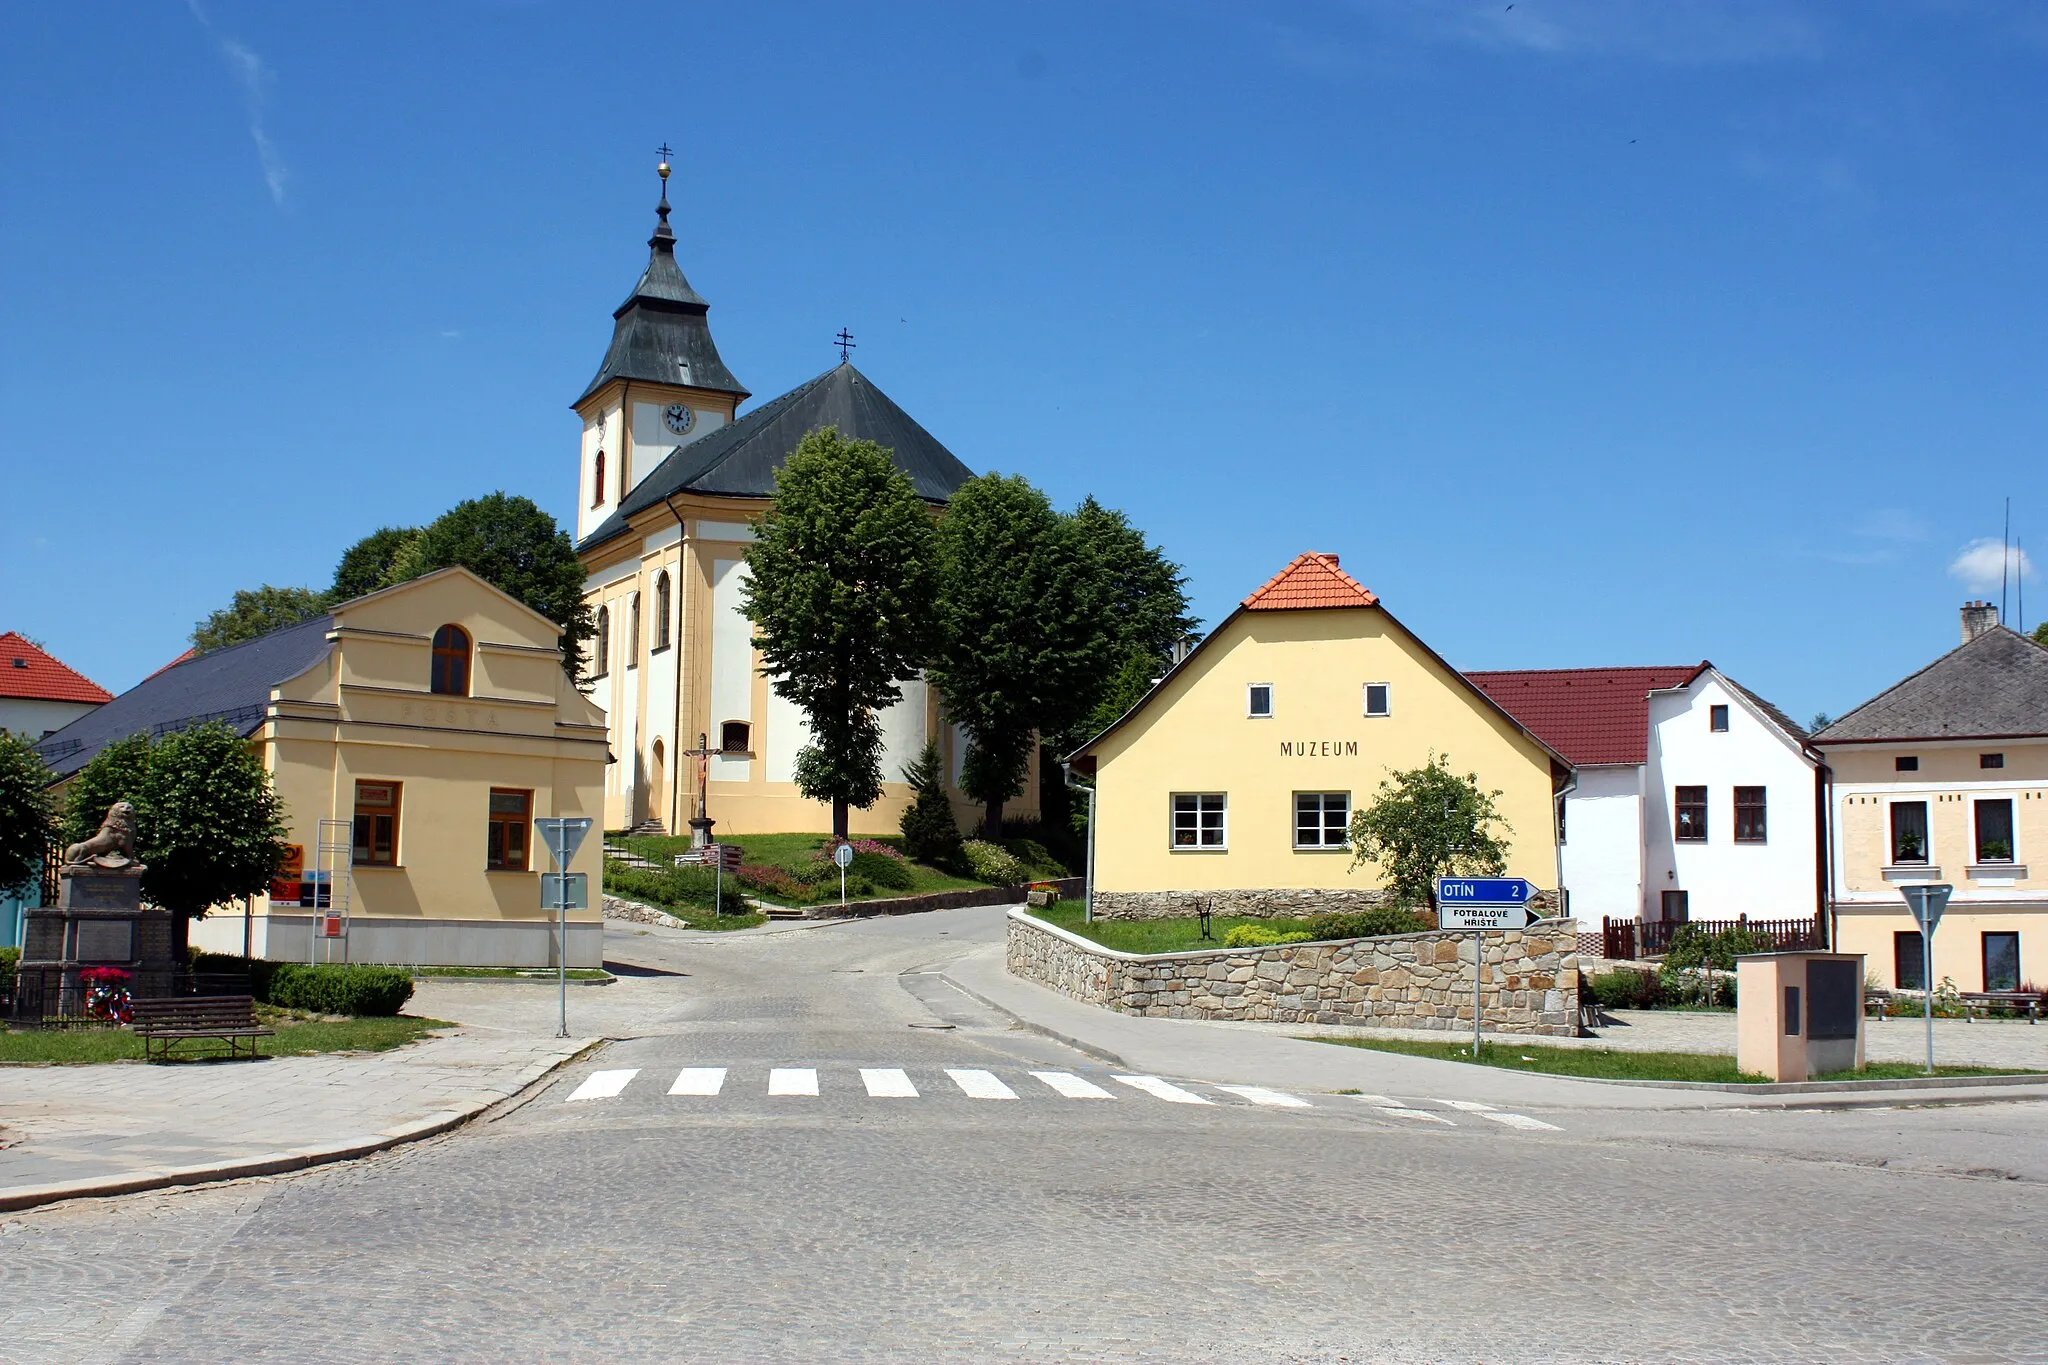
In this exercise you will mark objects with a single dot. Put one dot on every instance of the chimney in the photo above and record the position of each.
(1978, 617)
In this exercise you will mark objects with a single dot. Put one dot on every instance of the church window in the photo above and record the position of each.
(734, 737)
(601, 649)
(505, 848)
(451, 661)
(661, 609)
(376, 824)
(633, 631)
(597, 482)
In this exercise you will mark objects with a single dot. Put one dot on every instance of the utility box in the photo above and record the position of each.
(1798, 1015)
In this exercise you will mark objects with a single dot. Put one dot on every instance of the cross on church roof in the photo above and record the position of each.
(845, 343)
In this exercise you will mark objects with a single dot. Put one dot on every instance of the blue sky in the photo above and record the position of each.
(1587, 332)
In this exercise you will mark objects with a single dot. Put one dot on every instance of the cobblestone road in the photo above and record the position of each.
(848, 1226)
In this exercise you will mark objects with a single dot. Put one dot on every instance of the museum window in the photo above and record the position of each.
(451, 662)
(633, 631)
(1749, 815)
(1994, 832)
(1198, 820)
(735, 737)
(1717, 719)
(2002, 962)
(376, 824)
(1991, 760)
(1689, 805)
(661, 610)
(601, 644)
(1377, 699)
(511, 820)
(1321, 819)
(597, 481)
(1909, 963)
(1906, 763)
(1258, 701)
(1909, 832)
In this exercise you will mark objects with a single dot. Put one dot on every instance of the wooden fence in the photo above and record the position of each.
(1629, 940)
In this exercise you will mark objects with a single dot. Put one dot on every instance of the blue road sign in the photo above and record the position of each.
(1483, 891)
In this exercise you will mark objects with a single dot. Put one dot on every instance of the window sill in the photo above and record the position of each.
(1743, 841)
(1322, 848)
(1198, 848)
(376, 867)
(1688, 839)
(659, 649)
(508, 872)
(2001, 871)
(1912, 872)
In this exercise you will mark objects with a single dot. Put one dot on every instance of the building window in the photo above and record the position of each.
(1676, 905)
(601, 646)
(1690, 805)
(1321, 819)
(1749, 815)
(511, 818)
(2001, 962)
(1909, 961)
(735, 737)
(1258, 700)
(1717, 719)
(633, 631)
(1909, 832)
(597, 481)
(376, 824)
(1991, 760)
(1906, 763)
(661, 609)
(1994, 832)
(1376, 699)
(451, 662)
(1198, 820)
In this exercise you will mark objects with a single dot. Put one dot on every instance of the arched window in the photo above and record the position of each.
(661, 610)
(601, 651)
(597, 482)
(733, 736)
(633, 632)
(451, 661)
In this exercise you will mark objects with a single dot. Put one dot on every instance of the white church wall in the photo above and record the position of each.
(732, 670)
(903, 732)
(652, 440)
(1603, 843)
(787, 735)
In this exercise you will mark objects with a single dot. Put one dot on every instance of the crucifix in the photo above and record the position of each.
(845, 343)
(700, 824)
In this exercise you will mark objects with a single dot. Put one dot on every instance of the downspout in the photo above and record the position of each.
(1571, 784)
(1824, 865)
(681, 594)
(1088, 870)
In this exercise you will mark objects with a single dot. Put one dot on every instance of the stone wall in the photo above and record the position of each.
(1284, 902)
(1530, 982)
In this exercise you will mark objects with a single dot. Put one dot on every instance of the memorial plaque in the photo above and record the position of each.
(1834, 1000)
(86, 892)
(106, 940)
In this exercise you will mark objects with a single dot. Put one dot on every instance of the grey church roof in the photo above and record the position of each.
(231, 685)
(740, 459)
(1994, 687)
(660, 332)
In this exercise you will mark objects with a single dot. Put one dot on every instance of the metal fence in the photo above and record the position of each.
(1630, 940)
(50, 996)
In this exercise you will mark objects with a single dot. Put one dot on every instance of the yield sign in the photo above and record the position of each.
(563, 835)
(1927, 902)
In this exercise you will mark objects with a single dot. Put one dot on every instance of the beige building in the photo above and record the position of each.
(1944, 778)
(1234, 781)
(670, 477)
(414, 735)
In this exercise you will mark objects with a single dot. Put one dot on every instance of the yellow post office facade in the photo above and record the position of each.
(1233, 782)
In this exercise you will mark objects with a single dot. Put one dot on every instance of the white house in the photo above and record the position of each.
(1695, 798)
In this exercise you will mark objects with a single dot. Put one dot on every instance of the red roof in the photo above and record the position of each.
(26, 671)
(188, 654)
(1590, 715)
(1312, 580)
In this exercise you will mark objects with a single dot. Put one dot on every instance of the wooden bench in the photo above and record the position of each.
(2030, 1001)
(161, 1024)
(1876, 1000)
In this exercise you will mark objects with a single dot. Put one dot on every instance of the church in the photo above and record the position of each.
(671, 477)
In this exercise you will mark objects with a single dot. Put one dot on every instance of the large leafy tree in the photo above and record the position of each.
(1142, 614)
(27, 815)
(1021, 628)
(366, 565)
(841, 587)
(257, 612)
(1426, 823)
(512, 544)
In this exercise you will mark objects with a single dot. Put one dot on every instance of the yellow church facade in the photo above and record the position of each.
(1233, 782)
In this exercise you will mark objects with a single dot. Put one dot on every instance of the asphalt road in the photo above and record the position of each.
(1004, 1212)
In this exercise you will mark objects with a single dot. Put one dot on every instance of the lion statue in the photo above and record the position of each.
(114, 845)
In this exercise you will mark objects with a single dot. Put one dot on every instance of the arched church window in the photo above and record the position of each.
(733, 737)
(451, 662)
(601, 651)
(633, 632)
(597, 482)
(661, 610)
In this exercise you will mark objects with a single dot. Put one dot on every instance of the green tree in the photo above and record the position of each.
(27, 815)
(930, 833)
(511, 544)
(1426, 823)
(840, 589)
(258, 612)
(2040, 636)
(211, 827)
(366, 565)
(1821, 721)
(1020, 630)
(1142, 613)
(115, 773)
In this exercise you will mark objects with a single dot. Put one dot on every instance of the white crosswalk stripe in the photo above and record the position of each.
(1423, 1115)
(1470, 1106)
(1164, 1090)
(887, 1083)
(603, 1085)
(793, 1080)
(981, 1085)
(699, 1080)
(1380, 1100)
(1522, 1121)
(1260, 1095)
(1073, 1087)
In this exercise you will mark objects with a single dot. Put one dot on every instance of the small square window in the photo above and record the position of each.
(1991, 760)
(1906, 763)
(1717, 719)
(1376, 699)
(1258, 700)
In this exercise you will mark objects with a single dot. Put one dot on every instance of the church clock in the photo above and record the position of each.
(679, 419)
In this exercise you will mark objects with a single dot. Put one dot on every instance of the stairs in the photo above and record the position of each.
(646, 827)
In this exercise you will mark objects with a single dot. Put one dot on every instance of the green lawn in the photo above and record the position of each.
(297, 1035)
(1609, 1064)
(791, 851)
(1906, 1071)
(1156, 935)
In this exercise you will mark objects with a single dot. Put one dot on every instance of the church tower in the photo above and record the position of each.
(662, 383)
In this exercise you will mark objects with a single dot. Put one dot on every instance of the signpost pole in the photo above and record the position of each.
(1927, 980)
(843, 856)
(562, 835)
(562, 953)
(1927, 901)
(1479, 904)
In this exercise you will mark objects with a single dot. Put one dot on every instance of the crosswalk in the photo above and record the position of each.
(981, 1084)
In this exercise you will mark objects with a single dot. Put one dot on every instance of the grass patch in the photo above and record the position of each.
(298, 1035)
(514, 973)
(1907, 1071)
(1156, 935)
(1598, 1063)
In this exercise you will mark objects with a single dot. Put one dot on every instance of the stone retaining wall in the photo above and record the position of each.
(1530, 982)
(1283, 902)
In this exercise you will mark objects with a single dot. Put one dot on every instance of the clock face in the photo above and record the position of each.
(679, 418)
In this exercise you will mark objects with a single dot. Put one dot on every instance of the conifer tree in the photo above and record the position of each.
(930, 833)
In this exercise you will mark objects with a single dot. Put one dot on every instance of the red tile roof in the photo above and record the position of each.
(26, 671)
(188, 654)
(1590, 715)
(1312, 580)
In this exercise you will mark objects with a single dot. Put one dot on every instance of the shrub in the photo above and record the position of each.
(1059, 837)
(1259, 936)
(891, 872)
(990, 864)
(680, 887)
(930, 833)
(9, 959)
(335, 989)
(1374, 923)
(1626, 990)
(1034, 856)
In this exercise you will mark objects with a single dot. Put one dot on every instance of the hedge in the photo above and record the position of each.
(328, 988)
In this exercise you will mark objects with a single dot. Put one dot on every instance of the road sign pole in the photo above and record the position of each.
(1927, 980)
(1478, 954)
(562, 951)
(563, 835)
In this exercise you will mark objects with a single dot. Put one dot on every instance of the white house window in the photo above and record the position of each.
(1258, 700)
(1994, 831)
(1717, 719)
(1909, 832)
(1991, 760)
(1198, 820)
(1376, 699)
(1750, 815)
(1320, 819)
